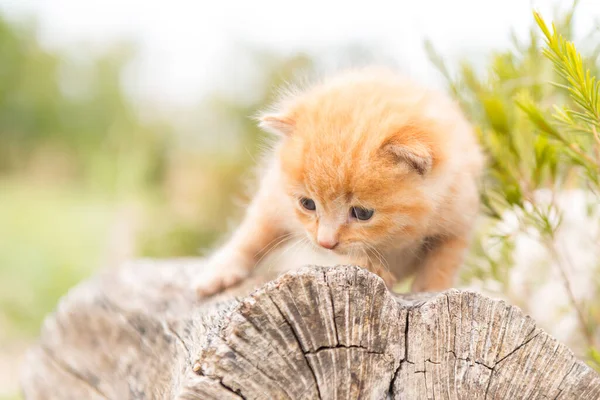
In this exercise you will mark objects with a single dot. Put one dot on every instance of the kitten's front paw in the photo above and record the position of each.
(220, 273)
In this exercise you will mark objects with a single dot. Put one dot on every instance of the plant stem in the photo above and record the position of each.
(596, 136)
(575, 148)
(551, 246)
(597, 147)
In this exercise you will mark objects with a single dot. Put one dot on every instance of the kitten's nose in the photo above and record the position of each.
(328, 243)
(327, 235)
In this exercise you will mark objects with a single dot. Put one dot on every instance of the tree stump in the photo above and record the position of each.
(316, 333)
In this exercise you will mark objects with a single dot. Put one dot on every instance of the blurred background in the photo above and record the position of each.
(125, 129)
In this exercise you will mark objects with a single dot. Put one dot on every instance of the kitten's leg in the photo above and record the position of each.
(437, 270)
(260, 230)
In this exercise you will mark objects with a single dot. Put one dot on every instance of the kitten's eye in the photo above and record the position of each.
(309, 204)
(362, 214)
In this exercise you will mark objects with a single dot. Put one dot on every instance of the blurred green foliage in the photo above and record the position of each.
(73, 111)
(70, 146)
(86, 180)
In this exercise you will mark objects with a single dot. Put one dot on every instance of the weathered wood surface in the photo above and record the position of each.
(318, 333)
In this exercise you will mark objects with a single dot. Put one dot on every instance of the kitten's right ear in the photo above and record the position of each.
(276, 124)
(417, 156)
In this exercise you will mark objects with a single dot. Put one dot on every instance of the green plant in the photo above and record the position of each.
(536, 110)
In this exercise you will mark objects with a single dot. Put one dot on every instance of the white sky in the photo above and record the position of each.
(186, 45)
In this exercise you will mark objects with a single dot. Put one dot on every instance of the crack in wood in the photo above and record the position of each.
(469, 360)
(563, 379)
(232, 390)
(403, 360)
(299, 345)
(178, 338)
(218, 380)
(516, 349)
(343, 346)
(489, 383)
(258, 369)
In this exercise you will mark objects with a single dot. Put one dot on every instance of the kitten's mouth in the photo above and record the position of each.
(341, 249)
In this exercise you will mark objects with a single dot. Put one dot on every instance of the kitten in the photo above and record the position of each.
(371, 167)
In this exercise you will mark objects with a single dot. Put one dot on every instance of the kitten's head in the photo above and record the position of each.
(359, 156)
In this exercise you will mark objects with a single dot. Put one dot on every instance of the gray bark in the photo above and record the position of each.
(317, 333)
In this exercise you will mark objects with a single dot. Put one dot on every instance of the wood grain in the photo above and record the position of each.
(317, 333)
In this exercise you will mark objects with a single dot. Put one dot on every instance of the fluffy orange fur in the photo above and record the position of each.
(363, 142)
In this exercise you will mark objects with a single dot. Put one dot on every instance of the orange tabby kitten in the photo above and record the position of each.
(371, 167)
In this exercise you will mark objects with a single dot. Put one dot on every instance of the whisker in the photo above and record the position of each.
(382, 261)
(285, 251)
(303, 242)
(278, 238)
(295, 245)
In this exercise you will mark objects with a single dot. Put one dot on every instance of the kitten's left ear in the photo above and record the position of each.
(277, 124)
(416, 155)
